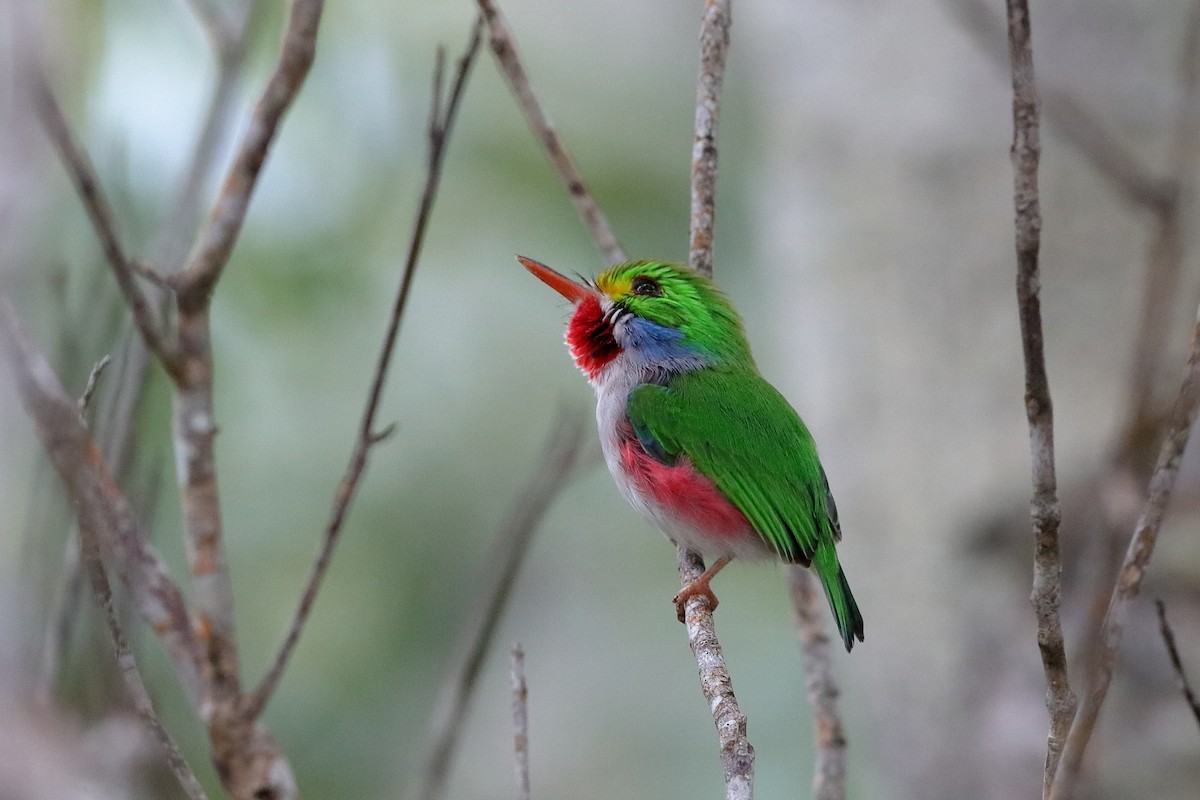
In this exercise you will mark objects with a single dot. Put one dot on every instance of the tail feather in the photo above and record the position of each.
(841, 599)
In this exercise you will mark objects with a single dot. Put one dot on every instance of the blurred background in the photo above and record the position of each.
(864, 229)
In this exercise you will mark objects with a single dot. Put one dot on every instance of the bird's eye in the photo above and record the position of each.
(646, 286)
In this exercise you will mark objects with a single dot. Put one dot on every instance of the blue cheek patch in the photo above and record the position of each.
(657, 344)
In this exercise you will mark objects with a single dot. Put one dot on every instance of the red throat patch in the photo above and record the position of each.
(590, 337)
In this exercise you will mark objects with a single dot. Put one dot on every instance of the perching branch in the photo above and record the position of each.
(714, 44)
(1168, 637)
(100, 506)
(737, 754)
(560, 459)
(1137, 558)
(440, 125)
(504, 47)
(520, 709)
(829, 777)
(1044, 506)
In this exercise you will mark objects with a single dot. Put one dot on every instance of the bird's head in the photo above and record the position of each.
(654, 316)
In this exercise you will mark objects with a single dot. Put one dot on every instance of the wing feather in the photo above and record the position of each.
(738, 431)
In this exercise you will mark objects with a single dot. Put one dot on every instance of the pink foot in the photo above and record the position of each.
(700, 588)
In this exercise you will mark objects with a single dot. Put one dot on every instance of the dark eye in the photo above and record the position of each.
(646, 286)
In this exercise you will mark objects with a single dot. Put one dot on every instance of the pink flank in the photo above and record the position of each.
(686, 494)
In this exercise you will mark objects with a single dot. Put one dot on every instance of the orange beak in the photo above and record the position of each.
(560, 283)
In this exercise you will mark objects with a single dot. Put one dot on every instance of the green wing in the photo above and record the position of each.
(739, 432)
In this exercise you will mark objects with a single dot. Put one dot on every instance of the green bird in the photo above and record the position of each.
(696, 440)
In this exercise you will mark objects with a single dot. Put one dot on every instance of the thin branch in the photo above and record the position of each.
(99, 504)
(1044, 505)
(504, 47)
(83, 176)
(520, 709)
(93, 378)
(560, 459)
(829, 777)
(194, 417)
(1168, 637)
(1079, 126)
(228, 33)
(90, 549)
(714, 45)
(440, 126)
(216, 240)
(1137, 558)
(737, 755)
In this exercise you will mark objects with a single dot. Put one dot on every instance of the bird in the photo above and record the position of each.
(696, 440)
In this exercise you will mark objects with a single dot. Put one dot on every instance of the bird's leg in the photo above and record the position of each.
(700, 586)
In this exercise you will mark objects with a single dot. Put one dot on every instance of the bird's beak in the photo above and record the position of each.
(560, 283)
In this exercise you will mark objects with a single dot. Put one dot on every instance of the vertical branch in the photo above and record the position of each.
(504, 47)
(737, 754)
(520, 709)
(714, 44)
(440, 125)
(1137, 558)
(829, 777)
(559, 460)
(194, 420)
(1044, 506)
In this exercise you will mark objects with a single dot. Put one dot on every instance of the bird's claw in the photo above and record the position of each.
(694, 589)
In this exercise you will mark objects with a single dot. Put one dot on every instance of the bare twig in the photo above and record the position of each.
(714, 44)
(504, 47)
(1047, 569)
(215, 242)
(559, 460)
(829, 777)
(89, 390)
(100, 505)
(1168, 637)
(520, 709)
(1137, 558)
(228, 33)
(90, 549)
(194, 416)
(83, 176)
(440, 125)
(1079, 126)
(737, 755)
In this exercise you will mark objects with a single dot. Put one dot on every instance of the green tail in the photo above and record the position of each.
(841, 599)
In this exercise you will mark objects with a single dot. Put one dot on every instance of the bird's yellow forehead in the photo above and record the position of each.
(615, 286)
